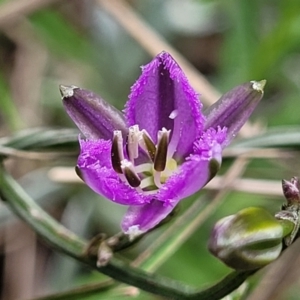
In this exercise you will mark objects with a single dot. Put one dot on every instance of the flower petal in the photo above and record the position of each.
(162, 97)
(191, 177)
(197, 170)
(95, 118)
(140, 219)
(234, 108)
(94, 165)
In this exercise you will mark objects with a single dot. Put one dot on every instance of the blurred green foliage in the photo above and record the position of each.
(257, 39)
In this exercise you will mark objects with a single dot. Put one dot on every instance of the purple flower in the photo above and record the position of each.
(162, 149)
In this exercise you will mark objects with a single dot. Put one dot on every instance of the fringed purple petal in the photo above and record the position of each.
(162, 97)
(95, 169)
(190, 178)
(140, 219)
(197, 170)
(234, 108)
(95, 118)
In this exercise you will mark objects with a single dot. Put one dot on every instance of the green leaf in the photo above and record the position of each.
(283, 136)
(60, 36)
(8, 108)
(43, 139)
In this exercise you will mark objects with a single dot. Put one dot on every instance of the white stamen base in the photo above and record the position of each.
(133, 142)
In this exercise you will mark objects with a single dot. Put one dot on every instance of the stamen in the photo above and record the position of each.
(132, 143)
(156, 177)
(117, 151)
(160, 159)
(173, 143)
(148, 145)
(128, 170)
(146, 182)
(142, 168)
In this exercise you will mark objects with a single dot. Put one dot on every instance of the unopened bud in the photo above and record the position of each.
(290, 210)
(248, 240)
(291, 190)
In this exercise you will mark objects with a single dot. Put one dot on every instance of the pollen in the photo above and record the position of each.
(171, 167)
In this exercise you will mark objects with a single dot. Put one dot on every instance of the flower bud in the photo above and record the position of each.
(291, 190)
(290, 210)
(248, 240)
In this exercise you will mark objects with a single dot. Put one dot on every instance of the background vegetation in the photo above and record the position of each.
(99, 45)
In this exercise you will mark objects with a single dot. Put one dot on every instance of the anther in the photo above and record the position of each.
(131, 176)
(117, 151)
(148, 145)
(160, 159)
(133, 142)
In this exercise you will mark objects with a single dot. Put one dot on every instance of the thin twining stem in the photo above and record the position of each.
(12, 11)
(67, 242)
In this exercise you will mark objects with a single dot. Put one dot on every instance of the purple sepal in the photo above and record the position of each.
(234, 108)
(94, 117)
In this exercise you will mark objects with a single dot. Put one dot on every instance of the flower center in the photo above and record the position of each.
(147, 176)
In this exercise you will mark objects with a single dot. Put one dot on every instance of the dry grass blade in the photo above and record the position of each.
(259, 153)
(30, 61)
(34, 155)
(11, 11)
(252, 186)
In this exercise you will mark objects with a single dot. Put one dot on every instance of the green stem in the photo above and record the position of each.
(80, 292)
(67, 242)
(287, 227)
